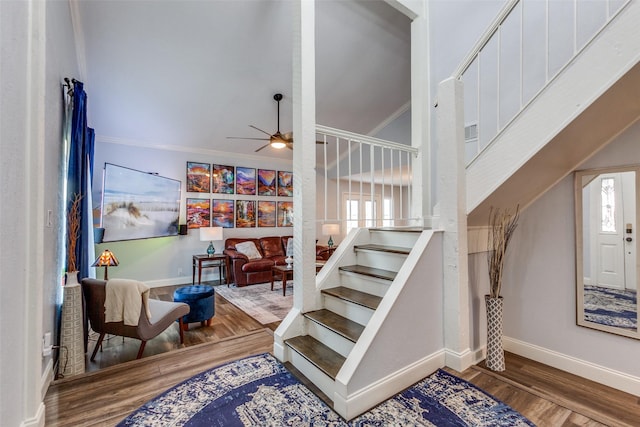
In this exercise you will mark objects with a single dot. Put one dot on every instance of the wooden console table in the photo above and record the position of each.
(284, 274)
(215, 260)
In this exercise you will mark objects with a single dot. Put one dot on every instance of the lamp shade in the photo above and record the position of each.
(106, 259)
(210, 234)
(330, 229)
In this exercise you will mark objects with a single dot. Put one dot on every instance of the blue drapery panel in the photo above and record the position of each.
(79, 175)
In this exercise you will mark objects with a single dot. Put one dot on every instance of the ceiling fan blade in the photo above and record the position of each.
(241, 137)
(265, 132)
(290, 145)
(264, 146)
(288, 137)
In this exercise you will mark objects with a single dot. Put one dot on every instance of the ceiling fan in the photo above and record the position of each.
(277, 140)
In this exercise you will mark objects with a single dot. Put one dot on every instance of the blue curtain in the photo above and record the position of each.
(79, 176)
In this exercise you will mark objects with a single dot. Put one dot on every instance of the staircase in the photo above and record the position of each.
(362, 287)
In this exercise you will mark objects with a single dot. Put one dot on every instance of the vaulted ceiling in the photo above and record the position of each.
(190, 73)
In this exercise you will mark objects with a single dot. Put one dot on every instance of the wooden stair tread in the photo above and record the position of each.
(369, 271)
(325, 359)
(361, 298)
(336, 323)
(384, 248)
(401, 229)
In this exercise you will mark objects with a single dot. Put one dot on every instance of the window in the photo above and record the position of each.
(361, 211)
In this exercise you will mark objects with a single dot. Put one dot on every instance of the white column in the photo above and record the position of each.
(453, 220)
(421, 117)
(304, 156)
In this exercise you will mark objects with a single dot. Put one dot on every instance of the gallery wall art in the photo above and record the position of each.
(266, 213)
(198, 177)
(223, 179)
(198, 213)
(285, 214)
(245, 181)
(266, 182)
(245, 213)
(222, 213)
(285, 183)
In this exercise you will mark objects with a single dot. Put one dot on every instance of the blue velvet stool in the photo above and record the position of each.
(200, 299)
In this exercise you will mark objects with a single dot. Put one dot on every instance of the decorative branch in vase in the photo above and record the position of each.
(502, 224)
(73, 231)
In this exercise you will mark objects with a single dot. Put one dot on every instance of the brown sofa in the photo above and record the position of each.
(273, 251)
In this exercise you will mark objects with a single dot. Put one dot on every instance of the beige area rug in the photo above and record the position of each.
(259, 301)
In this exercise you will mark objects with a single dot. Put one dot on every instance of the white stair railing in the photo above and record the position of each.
(367, 182)
(525, 48)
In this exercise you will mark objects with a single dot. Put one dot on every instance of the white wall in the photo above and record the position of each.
(168, 260)
(539, 278)
(31, 114)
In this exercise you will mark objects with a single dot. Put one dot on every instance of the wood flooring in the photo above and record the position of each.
(118, 384)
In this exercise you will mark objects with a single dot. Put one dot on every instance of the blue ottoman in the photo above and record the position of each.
(200, 299)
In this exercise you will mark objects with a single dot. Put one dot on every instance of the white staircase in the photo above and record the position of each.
(353, 345)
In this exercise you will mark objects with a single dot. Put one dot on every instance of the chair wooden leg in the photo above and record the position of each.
(142, 344)
(181, 329)
(98, 344)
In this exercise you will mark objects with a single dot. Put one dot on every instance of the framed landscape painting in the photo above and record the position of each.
(266, 182)
(198, 177)
(222, 213)
(223, 179)
(266, 214)
(245, 181)
(198, 213)
(285, 214)
(285, 183)
(245, 213)
(138, 205)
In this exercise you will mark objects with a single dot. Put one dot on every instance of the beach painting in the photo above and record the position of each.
(266, 214)
(266, 182)
(222, 213)
(138, 205)
(245, 181)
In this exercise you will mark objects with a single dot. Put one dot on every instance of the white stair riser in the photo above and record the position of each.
(370, 285)
(394, 238)
(334, 341)
(313, 374)
(378, 259)
(355, 312)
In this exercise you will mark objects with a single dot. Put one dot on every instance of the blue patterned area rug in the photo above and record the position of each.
(611, 307)
(259, 391)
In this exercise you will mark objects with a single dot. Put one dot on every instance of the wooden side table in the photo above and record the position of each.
(284, 274)
(215, 260)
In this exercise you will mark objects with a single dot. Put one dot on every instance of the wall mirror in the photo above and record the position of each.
(607, 267)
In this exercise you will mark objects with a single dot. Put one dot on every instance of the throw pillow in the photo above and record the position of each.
(249, 250)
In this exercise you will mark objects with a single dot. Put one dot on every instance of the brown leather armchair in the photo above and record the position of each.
(163, 314)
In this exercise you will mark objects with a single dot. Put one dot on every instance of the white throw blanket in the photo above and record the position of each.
(123, 301)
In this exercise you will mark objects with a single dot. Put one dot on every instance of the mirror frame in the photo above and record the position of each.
(580, 320)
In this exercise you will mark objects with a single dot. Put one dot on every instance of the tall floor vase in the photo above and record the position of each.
(495, 350)
(71, 356)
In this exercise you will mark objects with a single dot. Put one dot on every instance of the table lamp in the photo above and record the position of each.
(210, 234)
(328, 230)
(106, 259)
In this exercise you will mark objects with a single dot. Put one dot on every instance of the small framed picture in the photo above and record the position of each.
(266, 214)
(198, 213)
(222, 213)
(285, 183)
(223, 179)
(266, 182)
(285, 214)
(245, 213)
(198, 177)
(245, 181)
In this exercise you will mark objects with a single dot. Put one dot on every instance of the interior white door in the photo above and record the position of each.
(608, 229)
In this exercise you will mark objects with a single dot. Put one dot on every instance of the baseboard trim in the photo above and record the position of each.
(601, 374)
(37, 420)
(459, 360)
(371, 395)
(46, 379)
